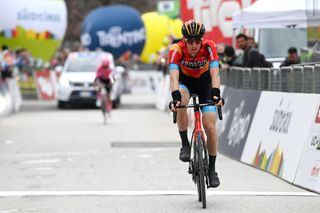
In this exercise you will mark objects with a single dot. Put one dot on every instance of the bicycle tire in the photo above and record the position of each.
(201, 171)
(103, 109)
(196, 170)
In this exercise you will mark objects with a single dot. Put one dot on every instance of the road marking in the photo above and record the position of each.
(39, 169)
(148, 193)
(8, 142)
(145, 156)
(41, 161)
(48, 154)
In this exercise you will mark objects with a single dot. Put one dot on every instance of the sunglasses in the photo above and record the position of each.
(191, 40)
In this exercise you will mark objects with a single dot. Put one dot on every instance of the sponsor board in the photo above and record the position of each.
(238, 113)
(4, 99)
(216, 15)
(145, 81)
(45, 85)
(164, 94)
(308, 173)
(279, 131)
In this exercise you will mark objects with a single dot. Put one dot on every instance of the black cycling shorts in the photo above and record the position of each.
(200, 86)
(107, 83)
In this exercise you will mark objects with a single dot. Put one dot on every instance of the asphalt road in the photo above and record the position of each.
(67, 161)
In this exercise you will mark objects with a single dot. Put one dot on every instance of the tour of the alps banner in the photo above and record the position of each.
(308, 174)
(279, 131)
(238, 113)
(36, 25)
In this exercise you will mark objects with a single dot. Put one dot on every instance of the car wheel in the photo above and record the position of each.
(116, 103)
(62, 104)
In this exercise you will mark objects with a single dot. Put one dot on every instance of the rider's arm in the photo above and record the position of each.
(174, 77)
(214, 72)
(214, 69)
(174, 62)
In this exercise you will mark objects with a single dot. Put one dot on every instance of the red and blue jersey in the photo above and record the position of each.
(196, 66)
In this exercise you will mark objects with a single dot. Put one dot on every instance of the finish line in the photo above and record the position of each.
(153, 193)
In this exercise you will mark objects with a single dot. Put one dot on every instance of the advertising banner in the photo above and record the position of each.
(164, 94)
(5, 103)
(308, 174)
(45, 85)
(37, 25)
(216, 15)
(238, 114)
(278, 132)
(115, 29)
(145, 82)
(169, 8)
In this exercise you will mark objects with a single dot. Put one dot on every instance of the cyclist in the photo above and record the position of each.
(194, 68)
(103, 78)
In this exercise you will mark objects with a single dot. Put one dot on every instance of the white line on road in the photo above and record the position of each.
(146, 193)
(48, 154)
(42, 161)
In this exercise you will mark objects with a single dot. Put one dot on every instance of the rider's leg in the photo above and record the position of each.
(182, 122)
(108, 96)
(209, 123)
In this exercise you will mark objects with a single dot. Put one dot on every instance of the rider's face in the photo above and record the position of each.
(193, 45)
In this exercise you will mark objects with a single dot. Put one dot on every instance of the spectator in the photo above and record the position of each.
(292, 57)
(251, 56)
(7, 64)
(220, 51)
(252, 42)
(230, 58)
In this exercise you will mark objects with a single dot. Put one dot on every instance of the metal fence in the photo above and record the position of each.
(299, 79)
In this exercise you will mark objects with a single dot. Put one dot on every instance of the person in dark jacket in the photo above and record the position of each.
(230, 58)
(292, 58)
(251, 56)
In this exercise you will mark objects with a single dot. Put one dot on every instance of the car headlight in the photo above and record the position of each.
(64, 82)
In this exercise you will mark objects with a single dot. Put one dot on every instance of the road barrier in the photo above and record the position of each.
(274, 131)
(299, 79)
(10, 97)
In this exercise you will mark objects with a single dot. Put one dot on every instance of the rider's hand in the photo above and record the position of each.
(176, 100)
(215, 92)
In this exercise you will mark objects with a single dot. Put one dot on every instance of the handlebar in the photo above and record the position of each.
(197, 105)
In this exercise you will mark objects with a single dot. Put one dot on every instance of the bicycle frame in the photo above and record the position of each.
(198, 119)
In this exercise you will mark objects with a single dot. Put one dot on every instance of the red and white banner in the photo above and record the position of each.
(279, 132)
(216, 15)
(308, 174)
(45, 85)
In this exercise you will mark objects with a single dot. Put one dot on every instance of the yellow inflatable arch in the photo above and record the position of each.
(158, 27)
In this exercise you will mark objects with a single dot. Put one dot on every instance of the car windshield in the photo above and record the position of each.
(83, 65)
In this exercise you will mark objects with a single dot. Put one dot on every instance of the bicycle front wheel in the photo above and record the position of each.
(201, 171)
(104, 110)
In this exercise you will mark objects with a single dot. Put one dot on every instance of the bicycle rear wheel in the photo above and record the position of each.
(104, 109)
(200, 171)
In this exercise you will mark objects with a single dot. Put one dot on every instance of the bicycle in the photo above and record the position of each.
(199, 163)
(106, 103)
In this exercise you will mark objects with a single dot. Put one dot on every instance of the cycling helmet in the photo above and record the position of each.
(105, 62)
(193, 29)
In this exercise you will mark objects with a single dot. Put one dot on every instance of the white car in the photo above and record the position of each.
(76, 82)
